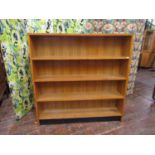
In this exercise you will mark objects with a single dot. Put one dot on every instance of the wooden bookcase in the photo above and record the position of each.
(148, 49)
(79, 75)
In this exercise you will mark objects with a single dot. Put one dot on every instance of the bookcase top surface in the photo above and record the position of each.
(80, 35)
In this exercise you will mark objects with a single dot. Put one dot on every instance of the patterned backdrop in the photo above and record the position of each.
(13, 36)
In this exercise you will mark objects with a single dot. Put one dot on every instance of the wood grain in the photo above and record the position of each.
(79, 75)
(78, 109)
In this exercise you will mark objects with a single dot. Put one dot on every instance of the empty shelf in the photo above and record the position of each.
(80, 58)
(77, 78)
(79, 113)
(78, 96)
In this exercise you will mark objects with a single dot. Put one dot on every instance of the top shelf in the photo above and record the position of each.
(80, 58)
(79, 35)
(79, 47)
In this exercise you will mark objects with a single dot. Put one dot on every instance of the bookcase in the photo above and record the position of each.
(79, 75)
(148, 49)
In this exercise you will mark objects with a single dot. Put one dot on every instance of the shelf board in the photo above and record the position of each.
(79, 113)
(79, 35)
(78, 78)
(43, 97)
(37, 58)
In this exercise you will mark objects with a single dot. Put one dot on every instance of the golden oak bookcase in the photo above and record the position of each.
(79, 75)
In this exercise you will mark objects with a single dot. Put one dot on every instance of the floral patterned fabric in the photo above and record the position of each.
(13, 36)
(15, 55)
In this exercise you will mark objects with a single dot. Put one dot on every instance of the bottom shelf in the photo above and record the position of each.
(77, 111)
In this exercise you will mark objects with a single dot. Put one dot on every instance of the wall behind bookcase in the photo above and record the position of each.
(13, 35)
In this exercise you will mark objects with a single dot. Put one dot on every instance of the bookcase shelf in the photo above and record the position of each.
(79, 113)
(37, 58)
(79, 90)
(79, 109)
(78, 78)
(77, 96)
(79, 75)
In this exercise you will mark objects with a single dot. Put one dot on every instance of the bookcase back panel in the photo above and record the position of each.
(77, 104)
(80, 46)
(78, 68)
